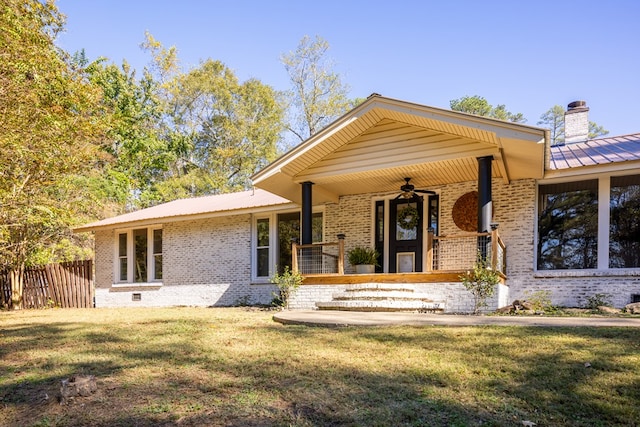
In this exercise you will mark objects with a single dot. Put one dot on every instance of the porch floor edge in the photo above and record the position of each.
(354, 279)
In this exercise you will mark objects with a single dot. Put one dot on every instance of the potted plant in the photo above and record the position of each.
(364, 259)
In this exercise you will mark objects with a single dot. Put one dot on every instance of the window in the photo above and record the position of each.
(568, 225)
(122, 257)
(624, 224)
(263, 243)
(139, 255)
(157, 254)
(273, 236)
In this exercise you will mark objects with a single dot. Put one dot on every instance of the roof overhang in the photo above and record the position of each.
(195, 208)
(377, 144)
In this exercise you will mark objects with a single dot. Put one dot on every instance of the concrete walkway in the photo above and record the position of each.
(333, 318)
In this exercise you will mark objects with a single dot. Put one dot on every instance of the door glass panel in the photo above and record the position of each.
(405, 215)
(433, 213)
(380, 234)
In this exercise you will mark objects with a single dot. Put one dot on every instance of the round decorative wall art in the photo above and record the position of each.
(465, 212)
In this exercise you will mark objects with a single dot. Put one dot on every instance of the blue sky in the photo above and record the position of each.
(528, 55)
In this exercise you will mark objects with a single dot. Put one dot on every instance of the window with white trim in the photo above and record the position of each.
(590, 224)
(568, 225)
(139, 255)
(272, 238)
(263, 247)
(624, 223)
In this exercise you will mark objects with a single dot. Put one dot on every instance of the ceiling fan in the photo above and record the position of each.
(408, 191)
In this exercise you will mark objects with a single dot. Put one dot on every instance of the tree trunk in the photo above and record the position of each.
(16, 278)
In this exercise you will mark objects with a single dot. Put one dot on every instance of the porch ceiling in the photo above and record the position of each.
(374, 147)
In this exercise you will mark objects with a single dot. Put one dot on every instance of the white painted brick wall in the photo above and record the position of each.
(307, 295)
(203, 295)
(208, 262)
(205, 263)
(515, 212)
(104, 259)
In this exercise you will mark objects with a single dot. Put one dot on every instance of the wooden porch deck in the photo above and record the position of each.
(355, 279)
(447, 258)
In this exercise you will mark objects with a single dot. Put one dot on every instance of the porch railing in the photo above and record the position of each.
(318, 258)
(461, 251)
(443, 253)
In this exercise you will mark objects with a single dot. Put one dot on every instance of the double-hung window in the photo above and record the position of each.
(139, 255)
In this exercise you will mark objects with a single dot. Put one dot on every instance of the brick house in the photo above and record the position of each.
(428, 188)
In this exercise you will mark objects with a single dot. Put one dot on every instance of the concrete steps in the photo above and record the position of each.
(381, 297)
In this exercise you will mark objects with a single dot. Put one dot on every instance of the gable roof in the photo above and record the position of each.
(595, 152)
(383, 140)
(193, 208)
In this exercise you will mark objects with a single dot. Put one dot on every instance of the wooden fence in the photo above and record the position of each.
(66, 285)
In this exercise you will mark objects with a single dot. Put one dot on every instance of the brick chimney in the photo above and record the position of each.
(576, 122)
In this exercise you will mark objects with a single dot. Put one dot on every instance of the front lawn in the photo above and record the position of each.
(236, 367)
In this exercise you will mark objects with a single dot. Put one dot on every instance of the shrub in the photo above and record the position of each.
(599, 300)
(288, 283)
(541, 301)
(481, 282)
(361, 255)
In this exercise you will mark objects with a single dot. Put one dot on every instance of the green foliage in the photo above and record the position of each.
(598, 300)
(252, 369)
(71, 248)
(231, 129)
(595, 130)
(50, 127)
(135, 150)
(318, 94)
(480, 107)
(481, 281)
(361, 255)
(541, 301)
(553, 119)
(288, 283)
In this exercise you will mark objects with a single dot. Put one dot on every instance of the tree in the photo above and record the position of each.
(480, 106)
(553, 119)
(218, 131)
(49, 125)
(318, 94)
(137, 154)
(232, 129)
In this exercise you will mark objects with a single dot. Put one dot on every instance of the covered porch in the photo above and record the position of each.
(387, 157)
(447, 258)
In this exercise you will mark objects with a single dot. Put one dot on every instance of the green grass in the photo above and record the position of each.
(236, 367)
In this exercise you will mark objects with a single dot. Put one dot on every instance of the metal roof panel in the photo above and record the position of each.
(593, 152)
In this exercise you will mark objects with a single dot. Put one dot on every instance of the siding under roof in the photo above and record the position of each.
(594, 152)
(183, 209)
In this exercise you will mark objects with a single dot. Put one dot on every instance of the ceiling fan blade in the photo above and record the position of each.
(425, 191)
